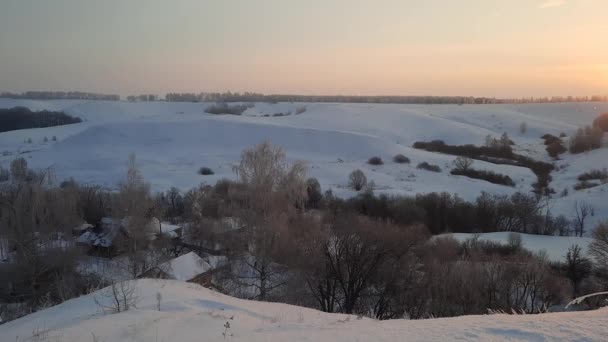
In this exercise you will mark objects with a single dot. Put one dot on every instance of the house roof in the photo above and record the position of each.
(185, 267)
(110, 229)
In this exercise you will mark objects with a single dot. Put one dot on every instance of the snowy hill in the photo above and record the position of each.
(189, 312)
(173, 140)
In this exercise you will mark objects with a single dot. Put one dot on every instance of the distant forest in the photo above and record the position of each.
(256, 97)
(23, 118)
(274, 98)
(59, 95)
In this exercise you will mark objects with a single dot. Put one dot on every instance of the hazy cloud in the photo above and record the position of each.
(552, 4)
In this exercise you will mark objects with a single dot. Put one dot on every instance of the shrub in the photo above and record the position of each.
(582, 185)
(586, 139)
(594, 175)
(429, 167)
(601, 122)
(549, 139)
(563, 135)
(357, 180)
(488, 176)
(401, 159)
(375, 161)
(205, 171)
(54, 138)
(224, 108)
(556, 148)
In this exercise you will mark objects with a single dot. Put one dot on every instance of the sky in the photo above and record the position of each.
(498, 48)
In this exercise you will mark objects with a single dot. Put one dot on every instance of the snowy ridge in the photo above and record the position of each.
(192, 313)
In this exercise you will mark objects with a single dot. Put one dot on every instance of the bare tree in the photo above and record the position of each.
(271, 191)
(463, 163)
(357, 180)
(118, 297)
(598, 248)
(132, 208)
(582, 211)
(577, 268)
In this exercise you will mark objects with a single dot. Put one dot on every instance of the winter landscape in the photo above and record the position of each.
(385, 171)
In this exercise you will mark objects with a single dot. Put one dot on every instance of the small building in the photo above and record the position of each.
(188, 267)
(105, 240)
(80, 229)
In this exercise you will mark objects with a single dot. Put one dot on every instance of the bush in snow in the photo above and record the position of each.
(582, 185)
(224, 108)
(594, 175)
(429, 167)
(375, 161)
(586, 139)
(488, 176)
(602, 122)
(357, 180)
(118, 297)
(556, 148)
(401, 159)
(205, 171)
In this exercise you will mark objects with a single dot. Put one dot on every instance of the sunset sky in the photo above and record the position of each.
(393, 47)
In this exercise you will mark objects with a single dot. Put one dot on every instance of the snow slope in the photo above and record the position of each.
(192, 313)
(173, 140)
(555, 247)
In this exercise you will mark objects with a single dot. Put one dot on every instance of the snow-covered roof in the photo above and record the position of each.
(185, 267)
(83, 226)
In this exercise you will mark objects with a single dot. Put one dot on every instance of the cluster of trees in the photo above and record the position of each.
(372, 255)
(39, 267)
(22, 118)
(60, 95)
(586, 139)
(142, 98)
(224, 108)
(274, 98)
(497, 151)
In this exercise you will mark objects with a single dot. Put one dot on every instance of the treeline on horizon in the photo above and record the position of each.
(273, 98)
(60, 95)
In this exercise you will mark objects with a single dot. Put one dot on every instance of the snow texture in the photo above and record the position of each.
(189, 312)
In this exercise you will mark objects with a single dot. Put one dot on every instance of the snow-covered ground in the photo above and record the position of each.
(173, 140)
(189, 312)
(555, 247)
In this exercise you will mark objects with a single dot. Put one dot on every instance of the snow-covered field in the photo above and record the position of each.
(189, 312)
(173, 140)
(554, 247)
